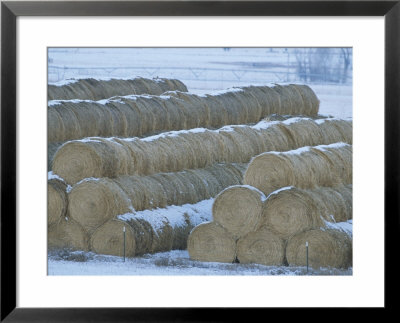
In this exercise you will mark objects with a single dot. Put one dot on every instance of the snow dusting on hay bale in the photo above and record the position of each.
(326, 248)
(261, 247)
(290, 210)
(209, 241)
(92, 89)
(152, 231)
(238, 209)
(92, 202)
(303, 168)
(67, 234)
(57, 200)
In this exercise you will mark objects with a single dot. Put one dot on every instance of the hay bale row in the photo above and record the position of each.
(94, 201)
(142, 115)
(292, 210)
(57, 200)
(187, 149)
(306, 167)
(92, 89)
(150, 231)
(326, 248)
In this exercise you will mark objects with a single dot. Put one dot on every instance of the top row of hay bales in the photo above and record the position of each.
(139, 115)
(92, 89)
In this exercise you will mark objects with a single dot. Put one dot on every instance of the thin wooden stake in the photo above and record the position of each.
(124, 242)
(307, 255)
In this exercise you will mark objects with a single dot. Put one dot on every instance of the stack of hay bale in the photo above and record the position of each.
(143, 115)
(289, 198)
(110, 181)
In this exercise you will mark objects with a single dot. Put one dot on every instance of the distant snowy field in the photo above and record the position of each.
(202, 70)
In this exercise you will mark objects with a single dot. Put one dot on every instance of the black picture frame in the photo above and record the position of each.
(10, 10)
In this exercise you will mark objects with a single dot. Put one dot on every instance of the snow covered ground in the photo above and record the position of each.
(202, 70)
(175, 262)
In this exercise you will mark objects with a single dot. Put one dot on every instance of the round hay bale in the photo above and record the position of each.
(52, 148)
(326, 248)
(289, 211)
(261, 247)
(76, 160)
(71, 127)
(154, 192)
(57, 200)
(269, 171)
(236, 112)
(184, 111)
(254, 101)
(93, 202)
(231, 149)
(304, 132)
(210, 242)
(135, 189)
(55, 126)
(169, 187)
(161, 231)
(274, 100)
(199, 184)
(331, 132)
(214, 145)
(238, 209)
(108, 239)
(276, 135)
(287, 104)
(310, 99)
(218, 113)
(139, 158)
(175, 114)
(346, 192)
(338, 161)
(132, 118)
(181, 233)
(309, 168)
(336, 204)
(211, 182)
(148, 119)
(224, 176)
(67, 234)
(201, 153)
(88, 117)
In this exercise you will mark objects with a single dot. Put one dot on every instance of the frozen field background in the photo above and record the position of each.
(202, 70)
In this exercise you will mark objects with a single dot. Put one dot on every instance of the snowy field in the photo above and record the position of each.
(202, 70)
(175, 262)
